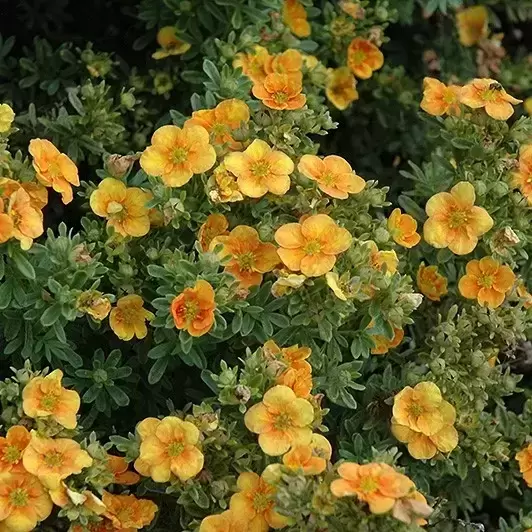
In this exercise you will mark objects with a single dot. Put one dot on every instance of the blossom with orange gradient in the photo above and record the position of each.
(6, 224)
(295, 17)
(53, 168)
(253, 64)
(489, 94)
(46, 397)
(281, 91)
(524, 457)
(255, 502)
(288, 62)
(380, 260)
(170, 449)
(227, 521)
(312, 246)
(128, 318)
(215, 225)
(333, 174)
(128, 512)
(118, 466)
(523, 293)
(455, 222)
(487, 281)
(21, 219)
(377, 484)
(439, 99)
(384, 344)
(311, 457)
(24, 502)
(260, 169)
(53, 460)
(176, 154)
(38, 193)
(472, 25)
(430, 282)
(123, 207)
(193, 309)
(341, 88)
(281, 420)
(522, 178)
(403, 229)
(11, 448)
(170, 44)
(363, 58)
(223, 186)
(221, 121)
(247, 257)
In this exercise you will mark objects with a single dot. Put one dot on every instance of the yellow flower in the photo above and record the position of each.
(341, 88)
(46, 397)
(223, 186)
(333, 282)
(170, 448)
(281, 420)
(527, 104)
(382, 259)
(384, 344)
(177, 154)
(295, 17)
(215, 225)
(123, 207)
(489, 94)
(129, 317)
(227, 521)
(524, 457)
(431, 283)
(25, 221)
(170, 44)
(94, 303)
(53, 460)
(472, 25)
(310, 458)
(403, 228)
(286, 283)
(455, 221)
(253, 65)
(7, 116)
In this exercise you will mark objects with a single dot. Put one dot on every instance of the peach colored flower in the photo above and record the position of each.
(382, 259)
(455, 221)
(311, 246)
(341, 88)
(193, 309)
(430, 282)
(487, 281)
(524, 457)
(118, 466)
(21, 219)
(383, 344)
(128, 512)
(363, 58)
(440, 99)
(295, 17)
(215, 225)
(288, 62)
(311, 458)
(227, 521)
(128, 318)
(253, 65)
(472, 24)
(403, 228)
(489, 94)
(522, 179)
(12, 447)
(281, 91)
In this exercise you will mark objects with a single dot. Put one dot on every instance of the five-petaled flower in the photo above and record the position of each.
(430, 282)
(455, 221)
(176, 154)
(439, 99)
(11, 448)
(170, 43)
(524, 458)
(193, 309)
(248, 258)
(311, 457)
(311, 247)
(341, 89)
(295, 17)
(281, 91)
(253, 64)
(472, 24)
(363, 58)
(489, 94)
(487, 281)
(128, 318)
(403, 228)
(281, 420)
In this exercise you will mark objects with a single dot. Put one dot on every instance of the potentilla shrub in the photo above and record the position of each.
(242, 333)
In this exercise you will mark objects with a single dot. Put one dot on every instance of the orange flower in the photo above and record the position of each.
(26, 222)
(123, 207)
(363, 57)
(380, 485)
(227, 521)
(253, 65)
(311, 246)
(105, 525)
(128, 512)
(403, 228)
(177, 154)
(490, 94)
(221, 121)
(281, 91)
(171, 448)
(46, 397)
(54, 169)
(260, 169)
(170, 44)
(255, 502)
(341, 88)
(295, 17)
(11, 449)
(53, 460)
(486, 281)
(223, 186)
(128, 318)
(193, 309)
(215, 225)
(472, 24)
(440, 99)
(249, 257)
(38, 193)
(430, 282)
(310, 458)
(353, 9)
(383, 344)
(6, 224)
(454, 220)
(523, 293)
(289, 62)
(382, 259)
(281, 420)
(290, 356)
(118, 466)
(522, 179)
(24, 502)
(524, 457)
(298, 378)
(333, 174)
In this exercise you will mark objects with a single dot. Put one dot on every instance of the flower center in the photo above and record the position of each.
(12, 454)
(312, 248)
(191, 310)
(49, 401)
(260, 169)
(280, 97)
(179, 155)
(457, 219)
(486, 281)
(261, 502)
(359, 56)
(449, 96)
(283, 421)
(415, 409)
(19, 497)
(114, 207)
(246, 261)
(328, 178)
(175, 449)
(54, 459)
(489, 95)
(368, 485)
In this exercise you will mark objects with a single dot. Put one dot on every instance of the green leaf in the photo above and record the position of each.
(51, 315)
(22, 263)
(412, 208)
(75, 101)
(118, 396)
(157, 370)
(210, 69)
